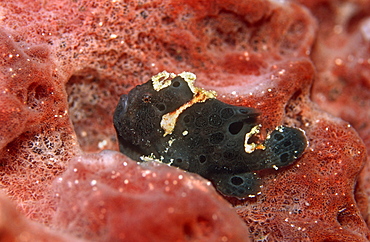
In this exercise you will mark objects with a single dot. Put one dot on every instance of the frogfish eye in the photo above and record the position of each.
(147, 98)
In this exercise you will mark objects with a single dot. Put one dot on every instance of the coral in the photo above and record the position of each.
(64, 64)
(111, 189)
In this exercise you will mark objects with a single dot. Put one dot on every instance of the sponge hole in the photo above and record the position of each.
(36, 93)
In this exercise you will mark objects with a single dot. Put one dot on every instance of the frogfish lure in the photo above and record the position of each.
(169, 120)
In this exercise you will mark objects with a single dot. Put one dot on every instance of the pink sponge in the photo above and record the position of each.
(108, 197)
(64, 64)
(15, 227)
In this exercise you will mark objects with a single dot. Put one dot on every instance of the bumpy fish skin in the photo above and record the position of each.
(187, 127)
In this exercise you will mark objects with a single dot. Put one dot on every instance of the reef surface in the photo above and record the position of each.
(64, 64)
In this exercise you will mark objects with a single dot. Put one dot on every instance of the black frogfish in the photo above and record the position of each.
(169, 120)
